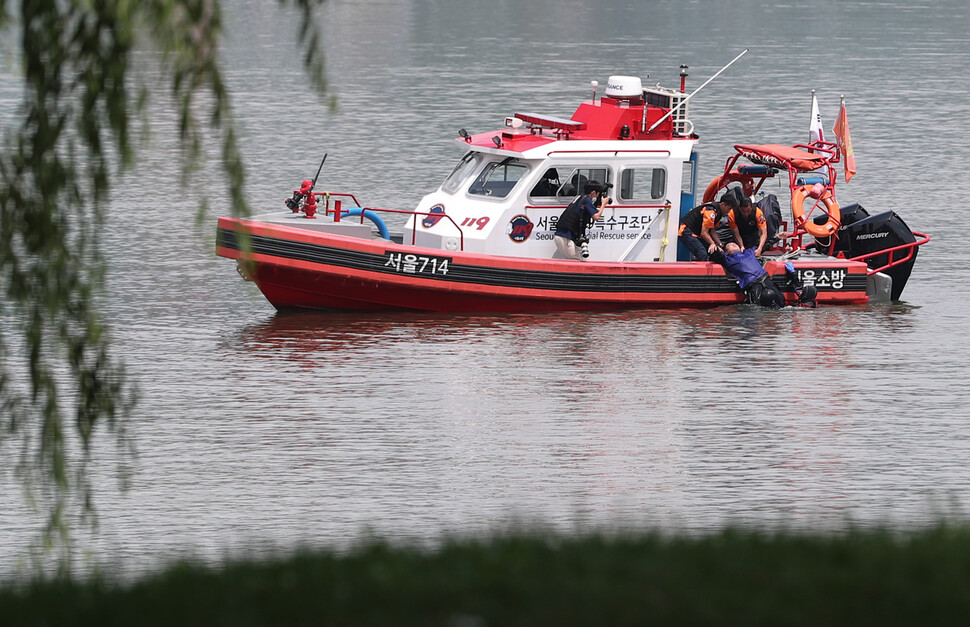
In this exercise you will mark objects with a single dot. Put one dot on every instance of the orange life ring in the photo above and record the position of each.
(798, 196)
(722, 181)
(711, 192)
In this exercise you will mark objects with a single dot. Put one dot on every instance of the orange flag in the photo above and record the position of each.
(841, 131)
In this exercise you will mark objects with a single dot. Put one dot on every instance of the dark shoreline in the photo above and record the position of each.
(734, 577)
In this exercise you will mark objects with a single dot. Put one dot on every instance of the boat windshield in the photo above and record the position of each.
(467, 165)
(499, 178)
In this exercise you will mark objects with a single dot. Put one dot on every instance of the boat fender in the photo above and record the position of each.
(834, 221)
(370, 215)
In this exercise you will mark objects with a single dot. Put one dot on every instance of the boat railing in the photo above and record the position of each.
(623, 206)
(906, 250)
(663, 205)
(896, 254)
(327, 195)
(830, 149)
(337, 210)
(792, 241)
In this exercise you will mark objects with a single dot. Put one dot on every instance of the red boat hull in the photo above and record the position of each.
(295, 268)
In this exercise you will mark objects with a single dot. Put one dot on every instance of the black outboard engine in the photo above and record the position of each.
(862, 234)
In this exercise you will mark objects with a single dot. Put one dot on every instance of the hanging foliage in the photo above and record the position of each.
(60, 385)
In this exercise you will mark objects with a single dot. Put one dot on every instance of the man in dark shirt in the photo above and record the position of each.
(698, 229)
(748, 225)
(576, 219)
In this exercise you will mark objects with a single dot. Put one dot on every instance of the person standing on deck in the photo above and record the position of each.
(572, 224)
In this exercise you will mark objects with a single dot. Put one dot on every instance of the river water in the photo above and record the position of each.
(258, 432)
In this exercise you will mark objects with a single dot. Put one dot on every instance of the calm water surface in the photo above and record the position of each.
(260, 432)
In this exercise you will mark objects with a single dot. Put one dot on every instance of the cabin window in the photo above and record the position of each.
(498, 179)
(547, 188)
(643, 184)
(571, 182)
(467, 165)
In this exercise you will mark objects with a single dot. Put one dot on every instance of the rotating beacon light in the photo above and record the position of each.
(683, 79)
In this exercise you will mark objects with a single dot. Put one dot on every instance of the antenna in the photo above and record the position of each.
(684, 101)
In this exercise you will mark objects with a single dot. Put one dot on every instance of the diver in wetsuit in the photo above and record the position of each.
(756, 283)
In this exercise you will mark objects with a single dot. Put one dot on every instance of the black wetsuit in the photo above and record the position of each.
(753, 279)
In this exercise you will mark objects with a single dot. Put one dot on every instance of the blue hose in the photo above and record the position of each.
(370, 215)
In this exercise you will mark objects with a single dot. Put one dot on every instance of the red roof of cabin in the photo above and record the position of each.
(593, 120)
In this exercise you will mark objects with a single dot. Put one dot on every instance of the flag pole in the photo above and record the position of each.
(843, 146)
(812, 125)
(844, 143)
(684, 101)
(815, 132)
(845, 157)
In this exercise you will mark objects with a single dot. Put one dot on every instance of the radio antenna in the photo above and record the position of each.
(684, 101)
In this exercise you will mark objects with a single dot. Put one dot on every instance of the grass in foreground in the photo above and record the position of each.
(733, 578)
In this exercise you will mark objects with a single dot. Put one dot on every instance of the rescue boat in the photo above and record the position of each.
(483, 241)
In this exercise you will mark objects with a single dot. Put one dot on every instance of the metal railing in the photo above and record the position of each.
(891, 261)
(907, 250)
(336, 213)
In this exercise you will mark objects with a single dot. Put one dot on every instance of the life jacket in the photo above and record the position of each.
(694, 219)
(748, 225)
(574, 219)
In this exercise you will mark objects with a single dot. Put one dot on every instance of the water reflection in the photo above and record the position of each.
(709, 361)
(593, 341)
(320, 426)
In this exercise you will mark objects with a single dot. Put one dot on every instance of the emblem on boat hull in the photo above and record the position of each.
(520, 228)
(429, 221)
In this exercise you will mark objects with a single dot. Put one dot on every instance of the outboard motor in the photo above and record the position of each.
(862, 234)
(851, 214)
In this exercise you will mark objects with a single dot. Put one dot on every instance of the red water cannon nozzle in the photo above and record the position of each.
(305, 194)
(310, 204)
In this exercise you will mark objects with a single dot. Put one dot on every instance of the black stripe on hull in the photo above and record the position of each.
(503, 277)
